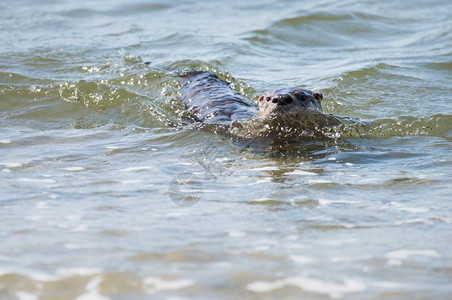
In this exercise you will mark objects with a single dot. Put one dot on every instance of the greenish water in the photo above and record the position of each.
(95, 148)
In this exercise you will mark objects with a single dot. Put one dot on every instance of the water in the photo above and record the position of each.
(93, 143)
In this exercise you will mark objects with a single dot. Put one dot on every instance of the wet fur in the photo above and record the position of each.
(213, 101)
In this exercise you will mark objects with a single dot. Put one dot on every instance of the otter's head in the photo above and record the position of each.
(285, 101)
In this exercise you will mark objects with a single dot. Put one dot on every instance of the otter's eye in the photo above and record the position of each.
(298, 94)
(318, 96)
(268, 99)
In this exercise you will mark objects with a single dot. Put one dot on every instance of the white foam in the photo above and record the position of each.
(155, 284)
(332, 158)
(261, 248)
(263, 180)
(319, 218)
(141, 168)
(334, 290)
(337, 242)
(42, 204)
(365, 180)
(300, 259)
(223, 159)
(268, 168)
(6, 170)
(72, 246)
(414, 209)
(347, 225)
(185, 163)
(74, 169)
(36, 180)
(12, 164)
(131, 181)
(292, 237)
(294, 246)
(395, 262)
(264, 286)
(338, 259)
(73, 217)
(21, 295)
(209, 191)
(324, 287)
(302, 173)
(236, 234)
(399, 206)
(80, 228)
(405, 254)
(174, 215)
(79, 271)
(35, 275)
(5, 141)
(314, 181)
(33, 218)
(262, 199)
(92, 290)
(415, 220)
(325, 202)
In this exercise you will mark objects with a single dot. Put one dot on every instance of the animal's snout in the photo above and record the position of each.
(282, 99)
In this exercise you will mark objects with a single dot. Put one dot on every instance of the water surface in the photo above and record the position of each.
(92, 141)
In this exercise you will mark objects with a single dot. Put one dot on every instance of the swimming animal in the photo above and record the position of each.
(212, 101)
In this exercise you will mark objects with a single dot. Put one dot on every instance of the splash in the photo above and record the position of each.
(326, 126)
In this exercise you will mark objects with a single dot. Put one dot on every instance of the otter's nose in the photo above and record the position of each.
(282, 99)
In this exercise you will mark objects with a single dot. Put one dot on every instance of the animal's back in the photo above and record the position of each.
(213, 101)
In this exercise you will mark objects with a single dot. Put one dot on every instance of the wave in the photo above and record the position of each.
(327, 126)
(354, 27)
(324, 29)
(132, 94)
(124, 92)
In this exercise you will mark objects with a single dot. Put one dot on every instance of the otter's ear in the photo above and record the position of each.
(318, 96)
(261, 98)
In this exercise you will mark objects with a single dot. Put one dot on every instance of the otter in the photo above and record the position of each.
(213, 101)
